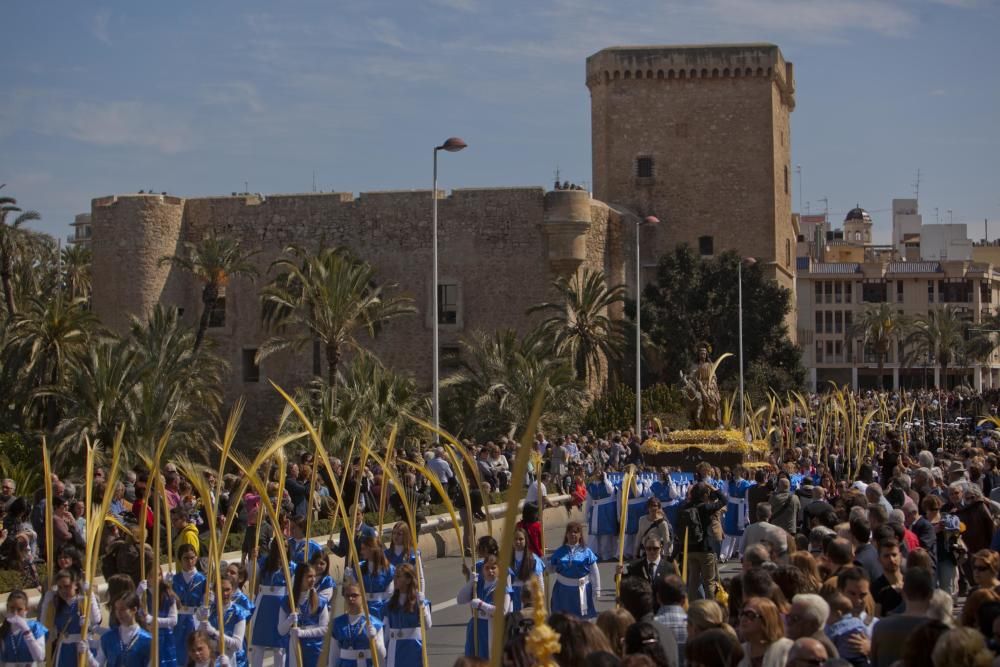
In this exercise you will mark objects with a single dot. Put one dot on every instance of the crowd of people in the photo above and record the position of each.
(889, 560)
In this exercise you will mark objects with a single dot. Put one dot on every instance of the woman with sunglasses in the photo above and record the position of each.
(985, 565)
(762, 633)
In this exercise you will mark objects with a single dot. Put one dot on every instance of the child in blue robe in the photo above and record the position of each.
(401, 549)
(22, 641)
(354, 635)
(376, 575)
(602, 516)
(299, 549)
(203, 651)
(166, 619)
(189, 587)
(577, 576)
(637, 499)
(305, 623)
(239, 574)
(480, 594)
(525, 567)
(325, 586)
(234, 624)
(401, 619)
(126, 644)
(271, 590)
(62, 618)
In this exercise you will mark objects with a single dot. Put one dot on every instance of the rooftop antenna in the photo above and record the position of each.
(557, 177)
(246, 187)
(916, 186)
(937, 217)
(826, 209)
(951, 217)
(798, 175)
(314, 180)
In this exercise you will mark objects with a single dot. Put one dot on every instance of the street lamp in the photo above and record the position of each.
(648, 220)
(452, 145)
(749, 261)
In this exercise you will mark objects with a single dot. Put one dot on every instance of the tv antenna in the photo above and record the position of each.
(916, 186)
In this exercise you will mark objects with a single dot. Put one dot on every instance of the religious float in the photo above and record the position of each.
(707, 439)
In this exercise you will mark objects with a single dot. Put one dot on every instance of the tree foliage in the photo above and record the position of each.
(696, 300)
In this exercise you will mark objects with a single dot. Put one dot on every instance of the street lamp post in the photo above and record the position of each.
(452, 145)
(648, 220)
(749, 261)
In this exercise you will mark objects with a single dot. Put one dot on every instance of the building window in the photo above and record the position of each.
(838, 321)
(930, 291)
(251, 369)
(985, 292)
(788, 252)
(837, 287)
(706, 246)
(819, 321)
(217, 315)
(644, 167)
(874, 292)
(819, 352)
(848, 321)
(899, 291)
(857, 236)
(829, 292)
(838, 350)
(447, 304)
(848, 289)
(829, 321)
(786, 179)
(818, 291)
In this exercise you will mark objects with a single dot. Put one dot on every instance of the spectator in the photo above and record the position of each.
(763, 531)
(672, 597)
(653, 566)
(847, 632)
(786, 512)
(705, 615)
(714, 648)
(614, 623)
(962, 647)
(636, 596)
(807, 618)
(985, 564)
(642, 639)
(807, 652)
(865, 553)
(887, 589)
(654, 522)
(892, 633)
(762, 634)
(695, 519)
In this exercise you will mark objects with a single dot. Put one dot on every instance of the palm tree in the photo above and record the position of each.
(213, 261)
(879, 326)
(52, 334)
(578, 326)
(11, 241)
(76, 261)
(941, 333)
(325, 297)
(499, 378)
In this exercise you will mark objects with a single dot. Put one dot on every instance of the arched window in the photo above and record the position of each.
(670, 74)
(706, 246)
(786, 179)
(638, 74)
(725, 72)
(760, 71)
(628, 74)
(607, 76)
(617, 75)
(715, 73)
(659, 74)
(857, 236)
(749, 72)
(649, 74)
(682, 74)
(704, 73)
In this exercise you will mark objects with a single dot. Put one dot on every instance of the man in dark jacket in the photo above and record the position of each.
(654, 566)
(693, 526)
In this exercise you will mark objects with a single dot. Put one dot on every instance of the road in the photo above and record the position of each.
(446, 639)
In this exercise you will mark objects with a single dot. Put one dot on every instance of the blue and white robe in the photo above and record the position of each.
(413, 559)
(378, 587)
(602, 510)
(737, 511)
(243, 600)
(68, 626)
(520, 586)
(15, 647)
(235, 634)
(480, 628)
(166, 623)
(312, 627)
(403, 634)
(264, 629)
(190, 596)
(637, 499)
(325, 588)
(116, 652)
(350, 645)
(297, 549)
(577, 580)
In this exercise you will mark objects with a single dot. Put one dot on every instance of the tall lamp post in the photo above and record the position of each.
(452, 145)
(749, 261)
(648, 220)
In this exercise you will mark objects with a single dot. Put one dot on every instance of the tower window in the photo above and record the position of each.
(217, 315)
(447, 304)
(786, 179)
(251, 369)
(644, 167)
(706, 246)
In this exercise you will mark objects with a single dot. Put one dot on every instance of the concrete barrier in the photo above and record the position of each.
(438, 539)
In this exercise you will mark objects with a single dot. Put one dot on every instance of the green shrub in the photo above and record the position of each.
(615, 408)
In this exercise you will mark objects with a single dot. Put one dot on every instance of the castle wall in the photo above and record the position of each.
(493, 243)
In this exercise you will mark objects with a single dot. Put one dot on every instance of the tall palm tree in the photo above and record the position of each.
(327, 296)
(941, 333)
(76, 262)
(12, 239)
(578, 326)
(499, 377)
(213, 261)
(880, 327)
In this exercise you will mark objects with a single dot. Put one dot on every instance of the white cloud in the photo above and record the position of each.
(238, 94)
(100, 26)
(115, 123)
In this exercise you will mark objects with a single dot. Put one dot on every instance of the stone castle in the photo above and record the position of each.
(696, 135)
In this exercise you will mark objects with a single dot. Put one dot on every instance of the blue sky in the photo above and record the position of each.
(198, 98)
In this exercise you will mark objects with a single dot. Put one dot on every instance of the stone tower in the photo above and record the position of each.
(699, 137)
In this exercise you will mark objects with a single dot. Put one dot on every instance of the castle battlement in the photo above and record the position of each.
(681, 63)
